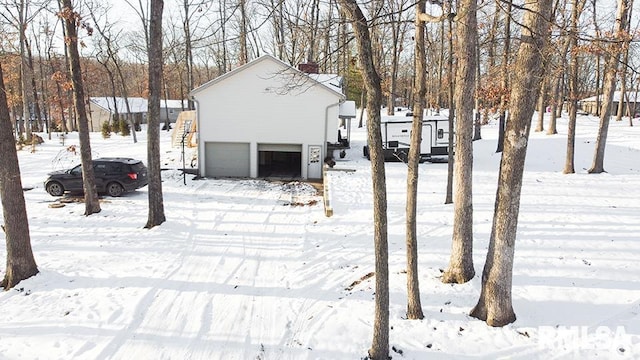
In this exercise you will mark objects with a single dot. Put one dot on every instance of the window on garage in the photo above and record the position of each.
(280, 160)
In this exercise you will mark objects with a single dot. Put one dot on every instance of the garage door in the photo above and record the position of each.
(280, 160)
(225, 159)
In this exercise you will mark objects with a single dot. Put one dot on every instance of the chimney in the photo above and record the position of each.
(309, 68)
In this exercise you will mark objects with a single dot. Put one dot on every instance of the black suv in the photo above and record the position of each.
(114, 176)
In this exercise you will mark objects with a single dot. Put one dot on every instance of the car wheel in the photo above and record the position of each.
(114, 189)
(55, 189)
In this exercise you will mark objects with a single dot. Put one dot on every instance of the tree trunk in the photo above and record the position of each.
(362, 107)
(597, 44)
(611, 67)
(557, 85)
(188, 49)
(414, 306)
(623, 91)
(452, 113)
(391, 100)
(555, 88)
(57, 80)
(380, 343)
(156, 205)
(505, 76)
(25, 76)
(632, 111)
(495, 304)
(460, 268)
(20, 261)
(624, 99)
(542, 104)
(477, 125)
(91, 202)
(577, 6)
(34, 88)
(244, 49)
(44, 80)
(440, 66)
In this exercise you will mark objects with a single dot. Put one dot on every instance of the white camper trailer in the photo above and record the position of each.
(396, 138)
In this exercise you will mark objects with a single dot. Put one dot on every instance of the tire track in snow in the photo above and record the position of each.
(233, 273)
(149, 306)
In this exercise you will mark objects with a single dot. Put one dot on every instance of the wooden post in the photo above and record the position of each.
(328, 208)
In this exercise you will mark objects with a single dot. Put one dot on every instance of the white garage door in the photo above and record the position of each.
(224, 159)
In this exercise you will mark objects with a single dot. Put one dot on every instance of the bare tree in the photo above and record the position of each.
(398, 27)
(577, 6)
(107, 44)
(19, 14)
(142, 12)
(611, 67)
(624, 99)
(477, 124)
(37, 113)
(191, 9)
(244, 47)
(460, 268)
(452, 115)
(414, 306)
(542, 103)
(495, 304)
(596, 43)
(71, 22)
(20, 261)
(156, 204)
(380, 344)
(557, 82)
(44, 39)
(505, 75)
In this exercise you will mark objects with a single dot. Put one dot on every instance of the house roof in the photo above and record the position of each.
(136, 104)
(327, 81)
(174, 104)
(633, 96)
(332, 80)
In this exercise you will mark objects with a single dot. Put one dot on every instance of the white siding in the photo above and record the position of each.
(250, 107)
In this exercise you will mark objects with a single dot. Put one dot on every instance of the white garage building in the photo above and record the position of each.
(266, 119)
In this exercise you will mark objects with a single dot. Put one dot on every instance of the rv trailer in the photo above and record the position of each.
(396, 138)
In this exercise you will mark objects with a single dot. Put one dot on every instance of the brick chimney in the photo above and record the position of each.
(309, 68)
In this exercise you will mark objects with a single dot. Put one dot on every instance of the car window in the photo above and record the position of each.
(137, 167)
(115, 168)
(77, 171)
(100, 168)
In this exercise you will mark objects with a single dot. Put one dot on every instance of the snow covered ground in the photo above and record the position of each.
(239, 272)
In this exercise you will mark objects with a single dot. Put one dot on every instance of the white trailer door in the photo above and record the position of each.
(427, 136)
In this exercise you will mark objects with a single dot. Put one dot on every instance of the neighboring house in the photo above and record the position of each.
(102, 109)
(267, 119)
(590, 105)
(171, 109)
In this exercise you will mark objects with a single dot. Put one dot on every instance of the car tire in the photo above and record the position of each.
(114, 189)
(54, 188)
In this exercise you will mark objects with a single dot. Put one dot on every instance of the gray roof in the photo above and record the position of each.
(326, 83)
(174, 104)
(633, 96)
(136, 104)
